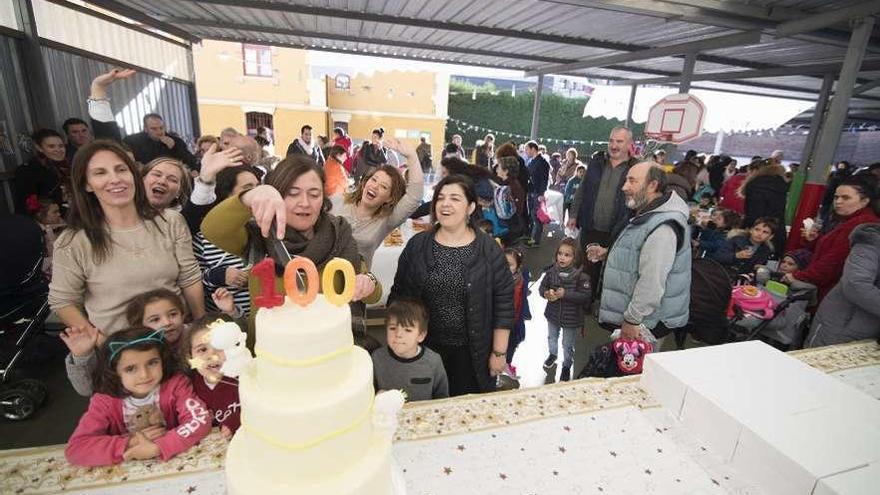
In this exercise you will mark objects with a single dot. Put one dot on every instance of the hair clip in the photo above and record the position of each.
(157, 336)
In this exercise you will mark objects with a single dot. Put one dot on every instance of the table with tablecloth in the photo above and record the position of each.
(584, 436)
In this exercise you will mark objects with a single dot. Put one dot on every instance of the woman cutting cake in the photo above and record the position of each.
(288, 215)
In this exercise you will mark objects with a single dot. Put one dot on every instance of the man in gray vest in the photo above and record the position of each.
(647, 279)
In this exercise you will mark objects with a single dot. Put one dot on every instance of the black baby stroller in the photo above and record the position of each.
(24, 308)
(711, 288)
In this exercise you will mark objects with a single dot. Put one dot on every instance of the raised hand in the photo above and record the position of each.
(100, 83)
(223, 300)
(399, 146)
(81, 341)
(214, 161)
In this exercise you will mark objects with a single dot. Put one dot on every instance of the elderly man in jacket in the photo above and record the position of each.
(599, 204)
(647, 277)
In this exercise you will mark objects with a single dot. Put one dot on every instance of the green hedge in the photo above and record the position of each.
(561, 119)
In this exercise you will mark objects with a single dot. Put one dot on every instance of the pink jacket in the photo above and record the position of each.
(101, 437)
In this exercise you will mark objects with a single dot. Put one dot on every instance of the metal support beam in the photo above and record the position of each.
(425, 23)
(632, 104)
(720, 14)
(35, 74)
(687, 73)
(829, 18)
(727, 41)
(794, 70)
(816, 120)
(866, 87)
(536, 108)
(330, 37)
(830, 136)
(193, 97)
(140, 16)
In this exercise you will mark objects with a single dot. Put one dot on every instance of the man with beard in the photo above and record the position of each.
(647, 279)
(599, 205)
(304, 146)
(156, 142)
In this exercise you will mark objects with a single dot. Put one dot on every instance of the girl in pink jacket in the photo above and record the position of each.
(141, 408)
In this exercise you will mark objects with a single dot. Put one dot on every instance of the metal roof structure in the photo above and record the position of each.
(786, 45)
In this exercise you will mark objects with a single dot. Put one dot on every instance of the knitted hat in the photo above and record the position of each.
(801, 257)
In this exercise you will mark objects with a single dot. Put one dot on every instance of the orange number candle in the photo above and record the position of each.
(290, 276)
(338, 265)
(265, 273)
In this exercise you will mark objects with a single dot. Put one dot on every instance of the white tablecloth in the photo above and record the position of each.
(585, 436)
(385, 261)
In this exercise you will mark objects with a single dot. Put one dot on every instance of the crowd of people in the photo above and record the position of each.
(147, 243)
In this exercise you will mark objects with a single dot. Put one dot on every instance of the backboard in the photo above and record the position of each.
(676, 118)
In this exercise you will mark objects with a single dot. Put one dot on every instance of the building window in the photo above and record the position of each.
(258, 122)
(343, 82)
(257, 60)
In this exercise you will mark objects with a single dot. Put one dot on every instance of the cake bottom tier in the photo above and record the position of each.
(370, 475)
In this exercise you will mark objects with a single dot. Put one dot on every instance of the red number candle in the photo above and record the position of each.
(265, 273)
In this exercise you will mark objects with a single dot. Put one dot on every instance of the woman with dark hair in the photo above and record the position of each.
(462, 277)
(220, 269)
(116, 245)
(851, 311)
(852, 205)
(46, 174)
(522, 175)
(291, 209)
(372, 154)
(383, 201)
(765, 192)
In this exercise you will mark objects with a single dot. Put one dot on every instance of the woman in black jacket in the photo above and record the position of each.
(765, 192)
(462, 277)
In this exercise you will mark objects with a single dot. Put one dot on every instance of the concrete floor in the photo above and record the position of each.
(55, 421)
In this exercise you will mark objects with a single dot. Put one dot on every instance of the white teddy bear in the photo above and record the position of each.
(229, 338)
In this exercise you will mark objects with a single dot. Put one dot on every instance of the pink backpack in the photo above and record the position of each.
(752, 300)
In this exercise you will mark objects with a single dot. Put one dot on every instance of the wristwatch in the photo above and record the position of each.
(498, 354)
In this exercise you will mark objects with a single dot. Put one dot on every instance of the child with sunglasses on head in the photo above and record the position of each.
(142, 408)
(219, 392)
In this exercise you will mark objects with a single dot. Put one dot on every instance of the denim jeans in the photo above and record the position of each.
(536, 229)
(568, 336)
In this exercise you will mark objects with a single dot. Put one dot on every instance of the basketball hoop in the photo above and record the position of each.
(676, 119)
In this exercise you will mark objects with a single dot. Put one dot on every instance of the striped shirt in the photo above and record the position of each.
(213, 262)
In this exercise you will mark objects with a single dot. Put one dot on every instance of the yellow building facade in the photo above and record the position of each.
(247, 86)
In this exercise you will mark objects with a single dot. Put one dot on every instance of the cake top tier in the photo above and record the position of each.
(299, 335)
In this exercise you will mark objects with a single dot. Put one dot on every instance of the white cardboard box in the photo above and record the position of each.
(779, 421)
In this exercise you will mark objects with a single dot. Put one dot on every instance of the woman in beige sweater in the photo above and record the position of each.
(383, 201)
(117, 246)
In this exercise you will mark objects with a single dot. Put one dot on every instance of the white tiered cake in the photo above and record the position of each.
(306, 409)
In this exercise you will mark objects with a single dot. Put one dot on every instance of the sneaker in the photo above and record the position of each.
(550, 362)
(565, 375)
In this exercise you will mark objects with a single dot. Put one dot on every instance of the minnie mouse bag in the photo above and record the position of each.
(630, 355)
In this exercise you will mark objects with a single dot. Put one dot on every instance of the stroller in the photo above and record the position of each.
(711, 288)
(24, 307)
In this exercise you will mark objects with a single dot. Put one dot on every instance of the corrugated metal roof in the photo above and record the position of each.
(529, 34)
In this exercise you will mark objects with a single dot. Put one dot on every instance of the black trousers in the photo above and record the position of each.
(594, 269)
(459, 369)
